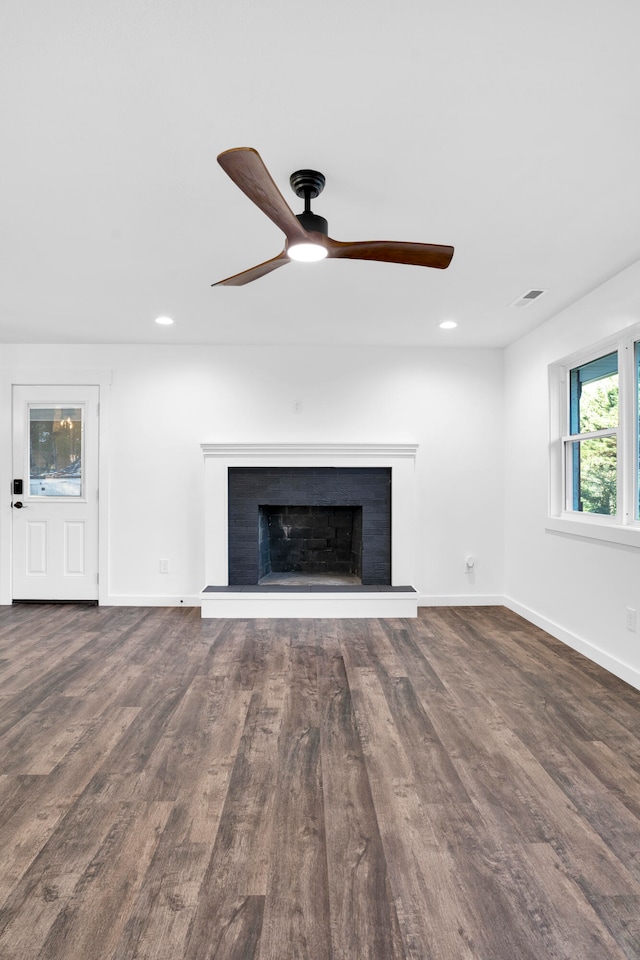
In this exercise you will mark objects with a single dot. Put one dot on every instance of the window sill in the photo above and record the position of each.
(595, 530)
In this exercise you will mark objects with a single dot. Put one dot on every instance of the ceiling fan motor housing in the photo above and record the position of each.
(313, 223)
(309, 184)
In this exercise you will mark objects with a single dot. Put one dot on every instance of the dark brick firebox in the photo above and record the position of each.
(310, 540)
(365, 488)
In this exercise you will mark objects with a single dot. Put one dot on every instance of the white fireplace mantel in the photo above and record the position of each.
(326, 451)
(399, 457)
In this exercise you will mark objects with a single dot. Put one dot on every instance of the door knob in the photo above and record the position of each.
(18, 504)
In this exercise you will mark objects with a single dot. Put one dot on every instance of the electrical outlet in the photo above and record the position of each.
(631, 619)
(164, 565)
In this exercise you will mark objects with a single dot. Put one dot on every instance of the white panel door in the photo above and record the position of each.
(55, 513)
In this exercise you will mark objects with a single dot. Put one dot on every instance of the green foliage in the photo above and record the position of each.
(599, 405)
(598, 456)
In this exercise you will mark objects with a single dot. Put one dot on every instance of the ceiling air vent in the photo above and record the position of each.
(527, 298)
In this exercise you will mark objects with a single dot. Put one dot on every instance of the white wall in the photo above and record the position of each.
(576, 588)
(165, 401)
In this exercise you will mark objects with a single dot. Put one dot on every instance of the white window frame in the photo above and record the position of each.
(624, 527)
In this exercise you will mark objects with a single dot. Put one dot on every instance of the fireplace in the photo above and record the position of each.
(388, 560)
(315, 522)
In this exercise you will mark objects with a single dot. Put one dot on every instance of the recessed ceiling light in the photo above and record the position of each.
(448, 325)
(164, 321)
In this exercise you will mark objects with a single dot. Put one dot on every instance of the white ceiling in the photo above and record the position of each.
(508, 129)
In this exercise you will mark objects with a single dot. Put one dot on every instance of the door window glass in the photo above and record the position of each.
(55, 451)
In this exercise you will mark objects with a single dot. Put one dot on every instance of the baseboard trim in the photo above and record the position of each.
(624, 671)
(124, 600)
(461, 600)
(423, 600)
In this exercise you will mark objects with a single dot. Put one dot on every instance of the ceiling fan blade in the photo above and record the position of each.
(391, 251)
(246, 168)
(254, 273)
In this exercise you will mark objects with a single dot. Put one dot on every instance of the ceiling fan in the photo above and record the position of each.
(307, 233)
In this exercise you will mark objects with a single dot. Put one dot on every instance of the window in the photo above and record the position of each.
(591, 449)
(55, 451)
(595, 462)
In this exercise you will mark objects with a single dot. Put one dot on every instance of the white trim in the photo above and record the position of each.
(193, 600)
(151, 600)
(309, 605)
(277, 451)
(628, 442)
(461, 600)
(10, 377)
(594, 435)
(595, 529)
(617, 667)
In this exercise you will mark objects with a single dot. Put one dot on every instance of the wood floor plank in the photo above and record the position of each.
(527, 907)
(500, 668)
(296, 923)
(412, 660)
(432, 765)
(244, 839)
(364, 922)
(619, 775)
(40, 803)
(47, 886)
(518, 798)
(59, 672)
(177, 756)
(621, 916)
(92, 921)
(60, 723)
(165, 905)
(234, 885)
(601, 809)
(28, 662)
(236, 928)
(172, 887)
(433, 921)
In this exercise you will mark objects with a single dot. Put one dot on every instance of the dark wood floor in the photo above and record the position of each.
(453, 787)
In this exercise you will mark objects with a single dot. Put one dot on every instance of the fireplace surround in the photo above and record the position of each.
(389, 594)
(302, 519)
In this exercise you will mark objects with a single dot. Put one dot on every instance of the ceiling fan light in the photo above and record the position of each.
(307, 252)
